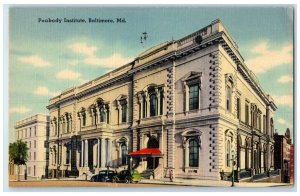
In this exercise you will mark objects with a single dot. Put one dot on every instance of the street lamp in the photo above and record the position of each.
(233, 163)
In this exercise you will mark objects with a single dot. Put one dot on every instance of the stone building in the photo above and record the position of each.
(34, 130)
(194, 99)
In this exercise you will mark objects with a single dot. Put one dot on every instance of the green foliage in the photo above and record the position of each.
(18, 152)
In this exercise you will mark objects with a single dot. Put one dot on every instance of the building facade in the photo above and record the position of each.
(34, 131)
(193, 98)
(292, 170)
(282, 156)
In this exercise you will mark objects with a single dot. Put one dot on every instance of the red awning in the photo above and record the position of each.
(154, 152)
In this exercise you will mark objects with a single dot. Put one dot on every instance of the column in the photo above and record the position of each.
(140, 99)
(148, 105)
(86, 153)
(82, 151)
(98, 153)
(109, 153)
(187, 100)
(103, 153)
(158, 102)
(98, 114)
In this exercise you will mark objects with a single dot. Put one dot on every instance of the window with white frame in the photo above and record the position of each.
(193, 153)
(228, 152)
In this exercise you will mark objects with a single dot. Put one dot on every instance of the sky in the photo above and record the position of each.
(47, 58)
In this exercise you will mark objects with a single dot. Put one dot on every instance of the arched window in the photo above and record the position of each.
(246, 154)
(68, 154)
(83, 119)
(124, 154)
(102, 114)
(153, 105)
(239, 146)
(193, 153)
(144, 107)
(228, 98)
(228, 148)
(265, 157)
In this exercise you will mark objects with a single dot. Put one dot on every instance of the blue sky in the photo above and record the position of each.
(42, 55)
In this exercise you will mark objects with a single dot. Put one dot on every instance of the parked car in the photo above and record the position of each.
(104, 176)
(127, 176)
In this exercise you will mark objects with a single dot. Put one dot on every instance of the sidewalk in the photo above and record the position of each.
(210, 183)
(187, 182)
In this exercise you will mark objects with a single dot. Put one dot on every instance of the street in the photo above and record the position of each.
(73, 183)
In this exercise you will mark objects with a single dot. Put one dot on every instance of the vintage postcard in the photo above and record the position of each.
(151, 96)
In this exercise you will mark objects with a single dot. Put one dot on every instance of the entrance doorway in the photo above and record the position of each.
(90, 154)
(152, 162)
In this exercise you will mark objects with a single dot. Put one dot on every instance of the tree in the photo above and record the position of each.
(18, 153)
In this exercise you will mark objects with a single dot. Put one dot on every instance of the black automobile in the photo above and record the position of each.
(104, 176)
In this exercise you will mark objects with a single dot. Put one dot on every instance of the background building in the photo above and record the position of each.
(34, 131)
(282, 155)
(194, 99)
(292, 164)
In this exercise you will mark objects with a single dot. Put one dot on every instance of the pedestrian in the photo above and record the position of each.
(171, 175)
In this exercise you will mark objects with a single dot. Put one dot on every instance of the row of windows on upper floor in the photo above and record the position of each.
(153, 106)
(29, 144)
(26, 133)
(29, 156)
(255, 119)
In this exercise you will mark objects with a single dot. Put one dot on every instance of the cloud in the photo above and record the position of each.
(73, 62)
(285, 79)
(67, 75)
(83, 48)
(44, 91)
(281, 121)
(90, 58)
(34, 60)
(284, 100)
(266, 58)
(20, 110)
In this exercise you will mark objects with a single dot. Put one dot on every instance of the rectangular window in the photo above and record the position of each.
(107, 116)
(34, 170)
(29, 144)
(34, 131)
(194, 97)
(247, 114)
(264, 123)
(153, 105)
(68, 156)
(30, 132)
(228, 98)
(34, 143)
(238, 108)
(34, 156)
(83, 119)
(29, 156)
(161, 103)
(124, 113)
